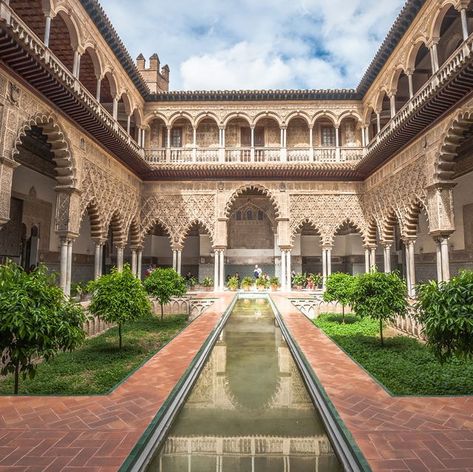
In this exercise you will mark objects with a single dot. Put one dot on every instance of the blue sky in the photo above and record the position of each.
(256, 44)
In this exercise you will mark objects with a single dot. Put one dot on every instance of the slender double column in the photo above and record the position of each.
(326, 263)
(286, 277)
(177, 260)
(98, 260)
(66, 264)
(387, 257)
(219, 270)
(370, 258)
(410, 266)
(120, 250)
(443, 259)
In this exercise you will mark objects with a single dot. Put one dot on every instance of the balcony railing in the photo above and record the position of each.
(333, 155)
(35, 45)
(455, 62)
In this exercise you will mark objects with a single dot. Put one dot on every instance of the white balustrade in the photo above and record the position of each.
(267, 154)
(325, 154)
(207, 155)
(298, 154)
(155, 156)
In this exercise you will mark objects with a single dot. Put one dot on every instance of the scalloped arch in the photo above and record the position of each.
(451, 142)
(265, 191)
(302, 222)
(196, 222)
(60, 147)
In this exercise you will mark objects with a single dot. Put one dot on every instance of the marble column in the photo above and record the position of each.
(367, 260)
(283, 269)
(216, 269)
(387, 258)
(63, 265)
(373, 259)
(324, 266)
(445, 259)
(120, 258)
(174, 259)
(288, 270)
(139, 257)
(69, 267)
(464, 24)
(47, 30)
(221, 266)
(179, 262)
(97, 260)
(133, 261)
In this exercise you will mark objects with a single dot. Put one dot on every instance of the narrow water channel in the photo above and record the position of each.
(249, 409)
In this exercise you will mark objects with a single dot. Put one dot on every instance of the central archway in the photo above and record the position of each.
(252, 228)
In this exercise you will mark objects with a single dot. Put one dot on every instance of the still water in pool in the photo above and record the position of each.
(249, 409)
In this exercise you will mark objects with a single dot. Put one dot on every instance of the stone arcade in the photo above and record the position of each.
(101, 164)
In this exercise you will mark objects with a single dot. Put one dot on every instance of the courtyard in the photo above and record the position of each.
(271, 277)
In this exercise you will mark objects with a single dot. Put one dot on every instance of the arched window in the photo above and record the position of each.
(249, 215)
(260, 215)
(238, 215)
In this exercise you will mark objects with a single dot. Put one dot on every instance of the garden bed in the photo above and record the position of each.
(404, 365)
(98, 365)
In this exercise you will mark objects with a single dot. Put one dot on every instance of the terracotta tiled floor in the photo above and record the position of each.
(97, 433)
(394, 433)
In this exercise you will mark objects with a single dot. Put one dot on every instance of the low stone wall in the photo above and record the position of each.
(313, 307)
(192, 307)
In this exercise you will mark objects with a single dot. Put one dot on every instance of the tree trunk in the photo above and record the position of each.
(381, 332)
(17, 377)
(119, 335)
(162, 311)
(343, 314)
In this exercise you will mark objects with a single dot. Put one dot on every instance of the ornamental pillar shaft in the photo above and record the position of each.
(387, 258)
(288, 271)
(63, 265)
(119, 258)
(393, 105)
(47, 30)
(411, 85)
(221, 267)
(69, 268)
(76, 65)
(367, 260)
(216, 270)
(324, 267)
(115, 109)
(445, 259)
(378, 122)
(133, 261)
(464, 24)
(139, 256)
(174, 259)
(283, 270)
(99, 86)
(179, 262)
(97, 260)
(373, 259)
(434, 58)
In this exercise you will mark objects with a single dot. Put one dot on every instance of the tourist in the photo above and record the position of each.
(257, 272)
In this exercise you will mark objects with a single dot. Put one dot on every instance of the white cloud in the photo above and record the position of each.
(247, 44)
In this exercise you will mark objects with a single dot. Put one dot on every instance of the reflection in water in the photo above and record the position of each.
(249, 410)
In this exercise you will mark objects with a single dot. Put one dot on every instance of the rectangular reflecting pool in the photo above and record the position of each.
(249, 409)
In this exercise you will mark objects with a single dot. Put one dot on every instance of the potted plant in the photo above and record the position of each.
(191, 282)
(247, 283)
(315, 280)
(274, 283)
(233, 283)
(261, 283)
(299, 280)
(207, 283)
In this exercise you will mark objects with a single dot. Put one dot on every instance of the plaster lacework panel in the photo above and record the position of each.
(397, 193)
(326, 213)
(109, 194)
(178, 212)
